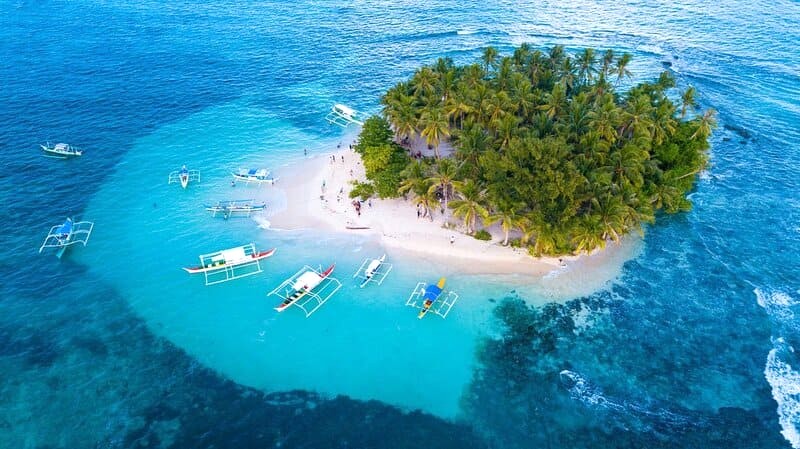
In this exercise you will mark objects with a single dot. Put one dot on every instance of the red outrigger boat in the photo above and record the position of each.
(304, 284)
(228, 258)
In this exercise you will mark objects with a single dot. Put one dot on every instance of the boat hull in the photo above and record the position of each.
(259, 256)
(184, 181)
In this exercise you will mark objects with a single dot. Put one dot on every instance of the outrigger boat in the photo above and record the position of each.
(231, 207)
(373, 270)
(229, 264)
(183, 176)
(344, 116)
(308, 289)
(254, 175)
(61, 150)
(433, 298)
(67, 234)
(303, 286)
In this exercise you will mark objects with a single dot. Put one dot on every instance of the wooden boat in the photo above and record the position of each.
(254, 175)
(228, 258)
(431, 294)
(183, 176)
(67, 234)
(304, 284)
(61, 150)
(372, 268)
(231, 207)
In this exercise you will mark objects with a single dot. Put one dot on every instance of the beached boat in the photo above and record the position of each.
(254, 175)
(373, 270)
(184, 176)
(432, 298)
(61, 150)
(235, 207)
(229, 264)
(303, 285)
(69, 233)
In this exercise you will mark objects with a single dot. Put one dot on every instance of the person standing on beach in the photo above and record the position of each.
(452, 238)
(343, 159)
(305, 151)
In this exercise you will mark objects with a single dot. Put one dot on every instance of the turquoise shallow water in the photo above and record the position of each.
(691, 346)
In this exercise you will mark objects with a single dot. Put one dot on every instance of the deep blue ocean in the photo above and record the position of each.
(692, 345)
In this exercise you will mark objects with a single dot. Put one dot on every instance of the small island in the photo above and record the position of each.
(488, 164)
(541, 144)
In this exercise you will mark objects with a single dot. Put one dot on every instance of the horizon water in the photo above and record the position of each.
(690, 342)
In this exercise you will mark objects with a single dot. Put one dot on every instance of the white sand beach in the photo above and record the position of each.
(318, 197)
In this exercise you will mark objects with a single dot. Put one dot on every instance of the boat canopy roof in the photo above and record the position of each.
(233, 254)
(65, 228)
(62, 146)
(307, 279)
(343, 109)
(432, 292)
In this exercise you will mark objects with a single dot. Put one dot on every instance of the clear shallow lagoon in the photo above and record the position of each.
(691, 345)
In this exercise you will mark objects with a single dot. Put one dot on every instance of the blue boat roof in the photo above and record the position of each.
(432, 292)
(252, 171)
(65, 228)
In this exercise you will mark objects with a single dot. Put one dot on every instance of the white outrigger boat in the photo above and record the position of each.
(254, 175)
(235, 207)
(230, 264)
(61, 150)
(345, 116)
(307, 289)
(373, 270)
(184, 176)
(69, 233)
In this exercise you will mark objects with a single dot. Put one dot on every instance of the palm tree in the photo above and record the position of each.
(610, 212)
(415, 180)
(469, 205)
(688, 100)
(424, 82)
(608, 59)
(705, 124)
(428, 201)
(622, 67)
(587, 234)
(509, 219)
(443, 178)
(556, 100)
(586, 66)
(435, 127)
(489, 58)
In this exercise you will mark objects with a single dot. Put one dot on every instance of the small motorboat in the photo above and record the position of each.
(236, 207)
(303, 285)
(61, 150)
(254, 175)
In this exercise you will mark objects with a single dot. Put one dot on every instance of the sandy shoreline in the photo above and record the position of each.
(322, 201)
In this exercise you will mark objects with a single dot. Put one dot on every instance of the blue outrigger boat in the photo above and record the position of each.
(67, 234)
(432, 297)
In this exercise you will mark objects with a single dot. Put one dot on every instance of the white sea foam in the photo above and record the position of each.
(785, 384)
(263, 223)
(467, 31)
(778, 305)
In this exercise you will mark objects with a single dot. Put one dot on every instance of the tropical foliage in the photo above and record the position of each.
(545, 145)
(383, 160)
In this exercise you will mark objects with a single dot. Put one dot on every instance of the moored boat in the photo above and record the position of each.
(184, 176)
(430, 295)
(303, 285)
(61, 150)
(228, 258)
(254, 175)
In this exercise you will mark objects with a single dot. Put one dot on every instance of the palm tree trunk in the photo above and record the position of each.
(505, 242)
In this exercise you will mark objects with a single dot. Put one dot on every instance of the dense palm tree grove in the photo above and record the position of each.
(544, 145)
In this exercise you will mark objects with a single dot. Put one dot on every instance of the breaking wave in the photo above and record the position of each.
(783, 379)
